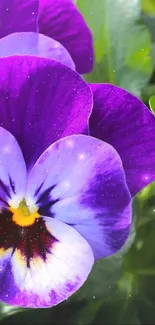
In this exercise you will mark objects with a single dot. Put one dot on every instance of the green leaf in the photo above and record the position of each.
(102, 280)
(140, 259)
(7, 310)
(130, 304)
(122, 46)
(152, 104)
(148, 6)
(119, 309)
(86, 314)
(149, 21)
(153, 55)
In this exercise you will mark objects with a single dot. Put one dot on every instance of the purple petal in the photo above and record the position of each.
(34, 44)
(41, 101)
(122, 120)
(12, 183)
(80, 181)
(62, 21)
(50, 277)
(18, 16)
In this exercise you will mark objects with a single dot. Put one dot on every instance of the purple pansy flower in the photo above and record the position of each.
(47, 28)
(64, 200)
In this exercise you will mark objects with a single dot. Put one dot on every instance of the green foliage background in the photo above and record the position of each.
(120, 289)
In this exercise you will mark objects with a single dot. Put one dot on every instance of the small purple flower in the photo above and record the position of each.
(47, 28)
(64, 200)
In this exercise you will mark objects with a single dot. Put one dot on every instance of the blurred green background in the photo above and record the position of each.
(120, 289)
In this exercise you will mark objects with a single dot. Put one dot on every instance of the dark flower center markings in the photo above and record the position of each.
(32, 241)
(12, 185)
(45, 201)
(24, 231)
(6, 190)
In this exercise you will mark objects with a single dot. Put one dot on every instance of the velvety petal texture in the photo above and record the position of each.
(18, 16)
(45, 283)
(12, 183)
(41, 101)
(62, 21)
(29, 43)
(122, 120)
(80, 181)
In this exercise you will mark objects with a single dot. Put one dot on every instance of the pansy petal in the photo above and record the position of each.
(62, 21)
(122, 120)
(18, 16)
(41, 101)
(54, 272)
(12, 183)
(29, 43)
(80, 181)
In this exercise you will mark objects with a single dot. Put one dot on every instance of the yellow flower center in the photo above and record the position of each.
(22, 215)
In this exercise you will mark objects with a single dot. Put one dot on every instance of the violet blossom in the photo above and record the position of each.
(63, 195)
